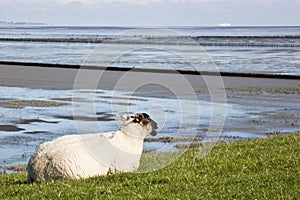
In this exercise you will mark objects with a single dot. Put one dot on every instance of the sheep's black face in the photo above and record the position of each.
(144, 120)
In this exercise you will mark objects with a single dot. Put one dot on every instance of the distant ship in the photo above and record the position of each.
(225, 24)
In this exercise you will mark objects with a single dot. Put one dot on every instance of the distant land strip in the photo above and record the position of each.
(166, 71)
(243, 41)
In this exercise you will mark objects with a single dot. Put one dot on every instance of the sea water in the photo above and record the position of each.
(272, 50)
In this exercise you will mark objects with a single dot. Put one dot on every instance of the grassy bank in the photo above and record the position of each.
(257, 169)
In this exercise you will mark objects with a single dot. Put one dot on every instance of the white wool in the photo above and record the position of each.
(83, 156)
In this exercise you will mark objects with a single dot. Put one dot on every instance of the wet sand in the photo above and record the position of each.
(64, 78)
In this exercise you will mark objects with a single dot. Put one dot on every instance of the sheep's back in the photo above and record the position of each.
(81, 156)
(65, 157)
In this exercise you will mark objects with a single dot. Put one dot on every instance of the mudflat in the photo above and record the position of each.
(272, 102)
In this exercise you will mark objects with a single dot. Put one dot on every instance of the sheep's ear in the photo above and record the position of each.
(122, 118)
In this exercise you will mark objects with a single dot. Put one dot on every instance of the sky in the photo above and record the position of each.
(153, 12)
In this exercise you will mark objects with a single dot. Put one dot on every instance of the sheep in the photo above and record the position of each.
(89, 155)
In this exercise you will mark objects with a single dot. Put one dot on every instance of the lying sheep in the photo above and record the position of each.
(83, 156)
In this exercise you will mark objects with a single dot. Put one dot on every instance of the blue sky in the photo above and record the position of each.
(152, 12)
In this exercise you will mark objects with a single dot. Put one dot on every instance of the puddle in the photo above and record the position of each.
(10, 128)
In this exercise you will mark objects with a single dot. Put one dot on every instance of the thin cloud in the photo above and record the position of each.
(172, 1)
(145, 2)
(153, 12)
(89, 2)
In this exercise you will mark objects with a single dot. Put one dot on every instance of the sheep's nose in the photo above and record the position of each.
(154, 132)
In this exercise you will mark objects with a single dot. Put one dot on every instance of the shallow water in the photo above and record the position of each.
(260, 50)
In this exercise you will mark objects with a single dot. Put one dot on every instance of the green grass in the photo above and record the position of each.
(257, 169)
